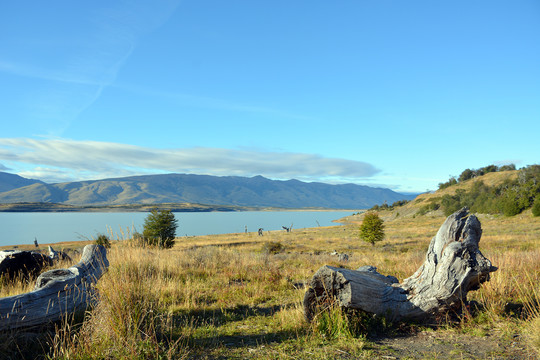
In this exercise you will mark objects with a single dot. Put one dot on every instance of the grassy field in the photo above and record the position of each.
(240, 296)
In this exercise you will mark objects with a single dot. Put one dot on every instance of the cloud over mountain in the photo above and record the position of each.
(48, 159)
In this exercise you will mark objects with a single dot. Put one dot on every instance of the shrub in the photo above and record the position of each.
(273, 247)
(102, 239)
(160, 228)
(385, 206)
(372, 228)
(432, 206)
(138, 239)
(536, 206)
(466, 175)
(449, 183)
(507, 167)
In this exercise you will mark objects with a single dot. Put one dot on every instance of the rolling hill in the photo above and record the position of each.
(204, 189)
(11, 181)
(502, 192)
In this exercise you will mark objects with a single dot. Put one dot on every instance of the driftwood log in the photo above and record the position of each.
(22, 264)
(57, 293)
(26, 265)
(453, 266)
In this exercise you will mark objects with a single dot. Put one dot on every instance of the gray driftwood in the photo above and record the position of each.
(56, 293)
(24, 265)
(453, 266)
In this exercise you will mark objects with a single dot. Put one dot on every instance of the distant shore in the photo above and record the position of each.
(175, 207)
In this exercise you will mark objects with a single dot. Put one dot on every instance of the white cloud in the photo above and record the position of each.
(61, 159)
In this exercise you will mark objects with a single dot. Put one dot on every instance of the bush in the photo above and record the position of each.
(432, 206)
(273, 247)
(385, 206)
(103, 240)
(449, 183)
(467, 174)
(536, 206)
(509, 167)
(160, 228)
(372, 228)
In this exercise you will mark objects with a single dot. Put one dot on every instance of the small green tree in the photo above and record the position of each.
(160, 228)
(372, 228)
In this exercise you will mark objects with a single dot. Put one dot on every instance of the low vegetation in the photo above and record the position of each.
(240, 296)
(510, 198)
(488, 190)
(103, 240)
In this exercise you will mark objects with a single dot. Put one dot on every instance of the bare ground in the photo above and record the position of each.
(452, 345)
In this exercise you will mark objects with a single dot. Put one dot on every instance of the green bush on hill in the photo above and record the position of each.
(431, 206)
(536, 206)
(385, 206)
(509, 198)
(469, 174)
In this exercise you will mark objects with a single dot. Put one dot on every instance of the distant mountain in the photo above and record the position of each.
(11, 181)
(204, 189)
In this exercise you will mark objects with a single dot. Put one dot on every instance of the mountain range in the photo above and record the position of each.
(197, 189)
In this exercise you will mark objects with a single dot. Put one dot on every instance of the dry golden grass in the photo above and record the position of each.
(224, 296)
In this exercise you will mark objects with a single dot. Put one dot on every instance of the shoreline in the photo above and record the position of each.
(174, 207)
(196, 223)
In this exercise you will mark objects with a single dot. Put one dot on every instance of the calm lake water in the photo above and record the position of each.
(23, 228)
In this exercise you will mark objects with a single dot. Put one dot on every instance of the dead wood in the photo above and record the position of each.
(453, 266)
(57, 293)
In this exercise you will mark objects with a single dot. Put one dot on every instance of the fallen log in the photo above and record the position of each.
(57, 293)
(25, 265)
(453, 266)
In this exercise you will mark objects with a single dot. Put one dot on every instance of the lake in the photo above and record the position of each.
(23, 228)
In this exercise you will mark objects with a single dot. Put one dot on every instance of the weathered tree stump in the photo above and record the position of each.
(57, 293)
(454, 265)
(22, 264)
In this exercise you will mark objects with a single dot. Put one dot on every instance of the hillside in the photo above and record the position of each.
(203, 189)
(502, 192)
(11, 181)
(491, 180)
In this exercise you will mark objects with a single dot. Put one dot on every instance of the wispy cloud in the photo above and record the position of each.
(38, 72)
(60, 159)
(212, 102)
(73, 80)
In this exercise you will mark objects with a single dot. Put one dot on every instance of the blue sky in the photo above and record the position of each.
(399, 94)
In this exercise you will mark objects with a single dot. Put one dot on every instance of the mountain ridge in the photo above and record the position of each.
(204, 189)
(11, 181)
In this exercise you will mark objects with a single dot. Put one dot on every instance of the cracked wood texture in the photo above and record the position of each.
(56, 293)
(453, 266)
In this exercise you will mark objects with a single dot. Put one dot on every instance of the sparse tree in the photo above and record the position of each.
(372, 228)
(160, 228)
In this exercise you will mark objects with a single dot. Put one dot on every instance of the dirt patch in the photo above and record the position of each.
(452, 345)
